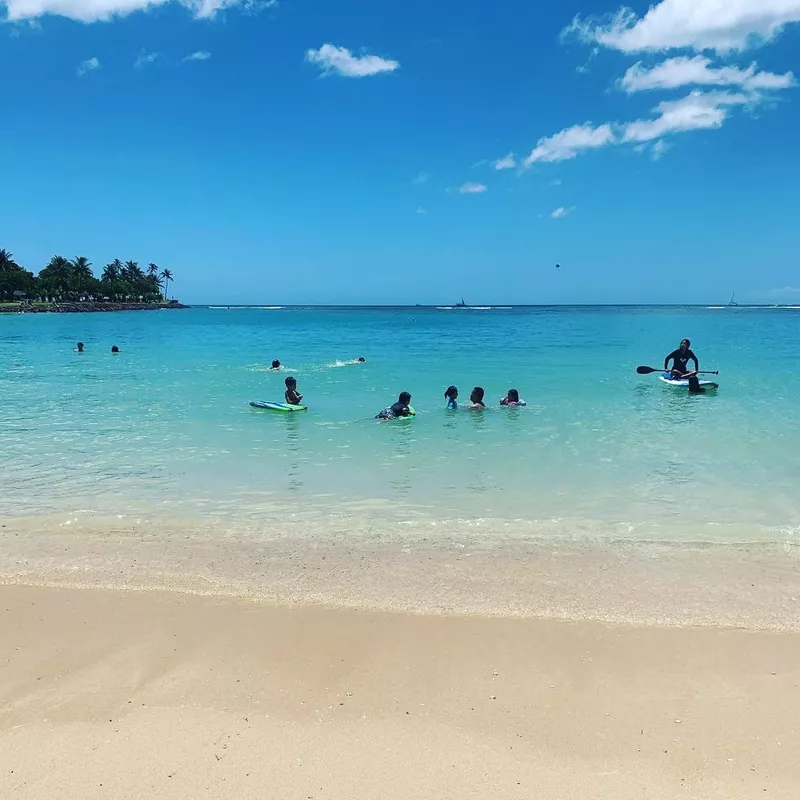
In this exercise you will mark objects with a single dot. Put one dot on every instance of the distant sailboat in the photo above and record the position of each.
(462, 304)
(732, 303)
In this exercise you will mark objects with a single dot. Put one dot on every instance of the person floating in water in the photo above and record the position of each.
(476, 398)
(512, 399)
(399, 409)
(293, 397)
(451, 396)
(680, 361)
(276, 364)
(79, 347)
(696, 388)
(361, 359)
(114, 349)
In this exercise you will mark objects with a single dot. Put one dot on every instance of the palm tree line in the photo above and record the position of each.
(73, 280)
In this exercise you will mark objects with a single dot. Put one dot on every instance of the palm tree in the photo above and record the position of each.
(56, 277)
(81, 272)
(111, 276)
(167, 276)
(152, 269)
(7, 260)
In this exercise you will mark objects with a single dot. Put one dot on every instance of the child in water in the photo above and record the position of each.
(451, 396)
(398, 409)
(512, 399)
(275, 364)
(476, 398)
(293, 397)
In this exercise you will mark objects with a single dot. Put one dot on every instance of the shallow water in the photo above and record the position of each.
(164, 429)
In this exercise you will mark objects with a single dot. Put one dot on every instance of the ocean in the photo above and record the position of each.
(162, 437)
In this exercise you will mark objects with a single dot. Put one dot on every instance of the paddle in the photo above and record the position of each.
(650, 370)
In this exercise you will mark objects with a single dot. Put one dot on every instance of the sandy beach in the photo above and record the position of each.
(111, 694)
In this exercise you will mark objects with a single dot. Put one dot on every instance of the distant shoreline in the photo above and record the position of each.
(88, 307)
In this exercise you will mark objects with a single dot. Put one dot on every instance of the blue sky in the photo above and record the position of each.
(334, 152)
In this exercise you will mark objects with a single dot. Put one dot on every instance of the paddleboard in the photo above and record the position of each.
(282, 407)
(683, 382)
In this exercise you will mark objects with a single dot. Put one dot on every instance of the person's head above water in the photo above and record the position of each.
(276, 364)
(477, 395)
(513, 396)
(451, 393)
(685, 344)
(405, 398)
(291, 382)
(114, 349)
(361, 359)
(80, 347)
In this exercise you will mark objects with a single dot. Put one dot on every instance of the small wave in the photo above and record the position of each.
(714, 307)
(445, 308)
(269, 308)
(479, 308)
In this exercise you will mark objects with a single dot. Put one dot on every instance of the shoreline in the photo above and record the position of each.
(749, 586)
(84, 308)
(151, 695)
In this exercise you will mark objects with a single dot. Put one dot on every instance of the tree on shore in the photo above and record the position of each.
(14, 280)
(82, 275)
(66, 280)
(167, 277)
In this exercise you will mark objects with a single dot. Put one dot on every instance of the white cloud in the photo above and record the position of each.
(88, 65)
(146, 58)
(696, 111)
(569, 142)
(102, 10)
(556, 182)
(420, 210)
(561, 211)
(421, 179)
(720, 25)
(341, 61)
(472, 188)
(697, 71)
(658, 149)
(506, 162)
(198, 55)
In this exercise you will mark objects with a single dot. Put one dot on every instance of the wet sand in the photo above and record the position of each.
(114, 694)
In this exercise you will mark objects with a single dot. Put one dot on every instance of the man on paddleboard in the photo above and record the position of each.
(680, 361)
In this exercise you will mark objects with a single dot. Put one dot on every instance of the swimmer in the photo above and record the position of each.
(114, 350)
(293, 397)
(79, 348)
(451, 396)
(512, 399)
(476, 398)
(398, 409)
(275, 364)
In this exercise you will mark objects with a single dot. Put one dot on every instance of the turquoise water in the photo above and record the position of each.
(164, 429)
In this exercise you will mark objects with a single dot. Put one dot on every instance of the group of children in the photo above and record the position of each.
(402, 408)
(477, 396)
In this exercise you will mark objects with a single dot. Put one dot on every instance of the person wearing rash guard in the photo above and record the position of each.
(398, 409)
(451, 396)
(680, 361)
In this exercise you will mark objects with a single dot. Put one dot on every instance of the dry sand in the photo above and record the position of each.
(108, 694)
